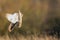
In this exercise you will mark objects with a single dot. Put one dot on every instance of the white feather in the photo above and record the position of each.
(13, 18)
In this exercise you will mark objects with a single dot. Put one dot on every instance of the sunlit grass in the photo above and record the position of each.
(29, 37)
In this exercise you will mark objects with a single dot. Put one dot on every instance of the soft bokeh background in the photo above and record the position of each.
(39, 16)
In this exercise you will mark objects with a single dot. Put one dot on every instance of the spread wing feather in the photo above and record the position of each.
(12, 17)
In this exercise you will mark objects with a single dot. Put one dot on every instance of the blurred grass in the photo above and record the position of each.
(30, 37)
(36, 14)
(29, 8)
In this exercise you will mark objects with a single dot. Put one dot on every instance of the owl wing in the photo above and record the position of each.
(20, 19)
(13, 18)
(9, 17)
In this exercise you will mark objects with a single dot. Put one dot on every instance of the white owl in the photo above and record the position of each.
(14, 18)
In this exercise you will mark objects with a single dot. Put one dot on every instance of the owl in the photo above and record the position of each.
(14, 19)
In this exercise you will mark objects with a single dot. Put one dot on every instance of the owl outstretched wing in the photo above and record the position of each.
(13, 18)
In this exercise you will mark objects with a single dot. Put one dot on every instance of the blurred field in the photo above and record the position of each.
(30, 37)
(39, 16)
